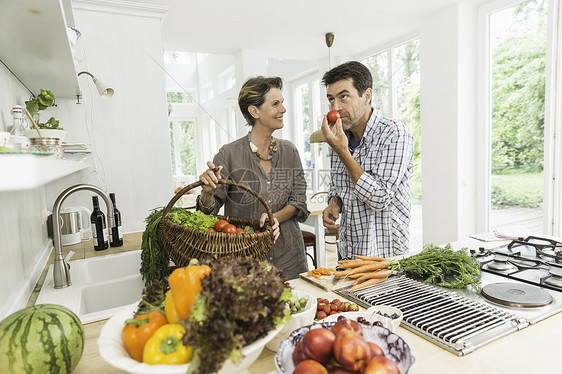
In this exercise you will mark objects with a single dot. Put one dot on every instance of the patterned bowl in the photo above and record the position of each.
(393, 346)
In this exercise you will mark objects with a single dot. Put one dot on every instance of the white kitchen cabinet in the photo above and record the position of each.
(34, 45)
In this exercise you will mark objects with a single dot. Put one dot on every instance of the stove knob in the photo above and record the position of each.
(481, 250)
(473, 251)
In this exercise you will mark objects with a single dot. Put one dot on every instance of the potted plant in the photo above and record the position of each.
(50, 128)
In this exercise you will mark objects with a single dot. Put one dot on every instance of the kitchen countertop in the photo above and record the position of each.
(530, 350)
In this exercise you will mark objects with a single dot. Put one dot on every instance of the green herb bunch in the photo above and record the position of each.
(40, 102)
(154, 258)
(442, 266)
(240, 301)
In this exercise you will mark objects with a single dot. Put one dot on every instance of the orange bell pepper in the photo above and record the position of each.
(138, 330)
(185, 284)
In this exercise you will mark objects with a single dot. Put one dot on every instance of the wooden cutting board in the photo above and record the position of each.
(325, 281)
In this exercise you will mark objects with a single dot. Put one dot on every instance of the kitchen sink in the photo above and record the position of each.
(100, 269)
(101, 286)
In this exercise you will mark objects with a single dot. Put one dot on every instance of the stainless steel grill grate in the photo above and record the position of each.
(447, 319)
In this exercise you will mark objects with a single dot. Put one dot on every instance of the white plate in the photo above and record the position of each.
(112, 349)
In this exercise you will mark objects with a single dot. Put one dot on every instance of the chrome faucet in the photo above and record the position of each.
(61, 268)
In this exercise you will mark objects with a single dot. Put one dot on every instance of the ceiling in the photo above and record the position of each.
(290, 29)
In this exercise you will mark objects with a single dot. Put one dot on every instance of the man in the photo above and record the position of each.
(371, 163)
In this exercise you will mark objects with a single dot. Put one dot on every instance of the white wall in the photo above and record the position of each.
(447, 45)
(122, 46)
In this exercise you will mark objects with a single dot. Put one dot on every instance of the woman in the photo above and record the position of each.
(271, 167)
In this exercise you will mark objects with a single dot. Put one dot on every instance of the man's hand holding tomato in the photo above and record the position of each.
(337, 140)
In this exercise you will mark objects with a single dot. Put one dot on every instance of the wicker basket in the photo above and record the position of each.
(184, 243)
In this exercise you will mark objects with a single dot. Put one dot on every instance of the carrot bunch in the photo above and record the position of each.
(366, 270)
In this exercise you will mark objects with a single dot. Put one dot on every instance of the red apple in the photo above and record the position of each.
(332, 369)
(351, 350)
(375, 350)
(310, 367)
(381, 365)
(347, 324)
(298, 355)
(318, 345)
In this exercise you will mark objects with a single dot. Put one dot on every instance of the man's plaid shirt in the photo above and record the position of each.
(375, 215)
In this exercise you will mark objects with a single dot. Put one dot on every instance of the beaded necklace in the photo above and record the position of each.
(272, 148)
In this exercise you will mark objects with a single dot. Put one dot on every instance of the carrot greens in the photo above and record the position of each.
(442, 266)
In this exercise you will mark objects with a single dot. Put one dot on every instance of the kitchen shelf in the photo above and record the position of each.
(27, 171)
(34, 45)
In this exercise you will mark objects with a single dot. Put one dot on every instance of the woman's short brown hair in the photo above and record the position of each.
(253, 93)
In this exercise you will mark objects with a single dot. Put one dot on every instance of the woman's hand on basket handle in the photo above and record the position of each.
(210, 177)
(275, 225)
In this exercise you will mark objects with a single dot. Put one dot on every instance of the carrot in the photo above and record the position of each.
(370, 258)
(370, 267)
(367, 283)
(346, 264)
(358, 275)
(341, 273)
(379, 274)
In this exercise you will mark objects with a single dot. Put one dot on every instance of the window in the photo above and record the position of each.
(182, 141)
(517, 53)
(396, 94)
(308, 119)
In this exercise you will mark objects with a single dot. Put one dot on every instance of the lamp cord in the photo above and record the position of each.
(19, 80)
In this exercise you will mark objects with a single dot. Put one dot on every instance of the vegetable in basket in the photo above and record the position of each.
(154, 258)
(240, 301)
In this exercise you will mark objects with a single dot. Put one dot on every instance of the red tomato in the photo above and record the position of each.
(333, 116)
(220, 224)
(229, 229)
(239, 231)
(210, 229)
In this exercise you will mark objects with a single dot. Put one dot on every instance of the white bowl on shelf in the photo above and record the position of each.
(46, 133)
(112, 350)
(306, 317)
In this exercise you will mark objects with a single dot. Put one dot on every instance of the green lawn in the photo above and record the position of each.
(517, 190)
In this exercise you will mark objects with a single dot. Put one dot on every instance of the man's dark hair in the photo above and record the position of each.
(362, 78)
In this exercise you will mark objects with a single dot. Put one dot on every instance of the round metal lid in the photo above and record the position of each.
(516, 295)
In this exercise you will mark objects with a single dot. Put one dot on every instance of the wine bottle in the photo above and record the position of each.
(99, 232)
(116, 231)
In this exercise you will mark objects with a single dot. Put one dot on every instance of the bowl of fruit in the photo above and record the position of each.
(344, 346)
(326, 308)
(303, 310)
(382, 315)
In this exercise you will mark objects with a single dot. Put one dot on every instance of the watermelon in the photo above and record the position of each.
(44, 338)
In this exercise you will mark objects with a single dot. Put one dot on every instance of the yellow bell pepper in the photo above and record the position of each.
(185, 284)
(170, 308)
(165, 347)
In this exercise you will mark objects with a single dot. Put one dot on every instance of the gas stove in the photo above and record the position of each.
(533, 260)
(519, 287)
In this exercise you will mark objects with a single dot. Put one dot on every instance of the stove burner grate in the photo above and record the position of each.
(516, 295)
(545, 248)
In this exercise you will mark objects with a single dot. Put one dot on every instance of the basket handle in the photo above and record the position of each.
(220, 181)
